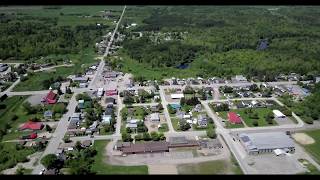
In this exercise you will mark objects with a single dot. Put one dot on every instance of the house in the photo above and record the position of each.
(175, 106)
(110, 100)
(83, 85)
(202, 120)
(257, 143)
(100, 92)
(3, 67)
(81, 104)
(111, 92)
(108, 111)
(106, 119)
(30, 136)
(177, 96)
(239, 78)
(278, 114)
(51, 172)
(48, 114)
(198, 108)
(155, 108)
(50, 98)
(111, 75)
(132, 124)
(317, 79)
(32, 126)
(75, 117)
(86, 143)
(234, 118)
(154, 117)
(81, 79)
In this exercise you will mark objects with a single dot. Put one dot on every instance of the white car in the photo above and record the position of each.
(42, 171)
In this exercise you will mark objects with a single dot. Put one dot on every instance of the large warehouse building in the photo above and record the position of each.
(257, 143)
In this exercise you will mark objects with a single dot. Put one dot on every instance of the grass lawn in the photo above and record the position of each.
(210, 167)
(313, 149)
(164, 128)
(12, 156)
(69, 15)
(247, 120)
(14, 107)
(312, 169)
(223, 115)
(174, 122)
(100, 167)
(34, 82)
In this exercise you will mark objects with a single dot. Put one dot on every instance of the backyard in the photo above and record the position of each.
(100, 167)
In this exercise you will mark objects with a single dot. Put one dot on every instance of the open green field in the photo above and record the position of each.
(67, 15)
(313, 149)
(211, 167)
(100, 167)
(81, 60)
(262, 112)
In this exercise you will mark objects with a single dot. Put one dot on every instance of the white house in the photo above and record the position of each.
(278, 114)
(177, 96)
(155, 117)
(106, 119)
(100, 92)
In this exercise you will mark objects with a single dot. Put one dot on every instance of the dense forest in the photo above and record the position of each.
(169, 54)
(249, 40)
(24, 37)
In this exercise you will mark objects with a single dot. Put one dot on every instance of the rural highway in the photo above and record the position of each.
(63, 123)
(99, 71)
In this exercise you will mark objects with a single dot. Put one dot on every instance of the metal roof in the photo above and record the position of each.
(270, 140)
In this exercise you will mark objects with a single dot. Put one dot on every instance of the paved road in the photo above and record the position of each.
(120, 105)
(226, 136)
(102, 62)
(97, 137)
(11, 87)
(58, 133)
(165, 109)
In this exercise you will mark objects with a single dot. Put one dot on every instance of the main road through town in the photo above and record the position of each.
(63, 123)
(102, 62)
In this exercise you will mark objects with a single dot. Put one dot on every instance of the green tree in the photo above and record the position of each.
(211, 133)
(49, 161)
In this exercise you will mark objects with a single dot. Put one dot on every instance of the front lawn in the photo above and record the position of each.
(100, 167)
(174, 122)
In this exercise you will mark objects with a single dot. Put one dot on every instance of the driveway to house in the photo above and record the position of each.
(10, 88)
(53, 67)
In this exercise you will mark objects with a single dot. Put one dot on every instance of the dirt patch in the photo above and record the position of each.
(162, 169)
(303, 138)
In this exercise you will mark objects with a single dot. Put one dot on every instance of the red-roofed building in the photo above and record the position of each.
(30, 136)
(32, 126)
(111, 92)
(51, 98)
(234, 118)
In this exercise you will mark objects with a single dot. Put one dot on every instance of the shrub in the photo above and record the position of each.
(255, 123)
(211, 133)
(14, 117)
